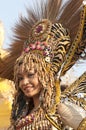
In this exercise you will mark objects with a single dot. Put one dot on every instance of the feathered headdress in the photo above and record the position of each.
(46, 23)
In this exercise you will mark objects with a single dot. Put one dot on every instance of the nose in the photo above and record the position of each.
(25, 81)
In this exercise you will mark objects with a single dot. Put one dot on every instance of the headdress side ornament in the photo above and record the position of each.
(78, 45)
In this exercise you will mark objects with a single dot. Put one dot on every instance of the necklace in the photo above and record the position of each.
(29, 119)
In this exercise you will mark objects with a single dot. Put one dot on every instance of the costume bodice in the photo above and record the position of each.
(37, 121)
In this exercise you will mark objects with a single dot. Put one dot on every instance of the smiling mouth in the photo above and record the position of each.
(28, 88)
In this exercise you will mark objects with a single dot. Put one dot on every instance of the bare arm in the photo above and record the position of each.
(71, 114)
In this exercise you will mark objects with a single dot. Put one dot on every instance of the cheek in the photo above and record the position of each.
(36, 82)
(20, 84)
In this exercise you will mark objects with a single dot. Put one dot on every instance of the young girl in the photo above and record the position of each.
(44, 51)
(37, 103)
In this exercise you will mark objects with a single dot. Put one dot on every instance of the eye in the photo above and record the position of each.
(31, 75)
(20, 78)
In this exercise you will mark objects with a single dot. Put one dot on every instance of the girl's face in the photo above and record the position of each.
(29, 83)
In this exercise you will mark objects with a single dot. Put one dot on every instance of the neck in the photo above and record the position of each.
(36, 101)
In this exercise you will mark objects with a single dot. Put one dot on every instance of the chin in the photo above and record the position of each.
(31, 94)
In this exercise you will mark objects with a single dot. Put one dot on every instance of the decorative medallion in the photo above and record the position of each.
(40, 31)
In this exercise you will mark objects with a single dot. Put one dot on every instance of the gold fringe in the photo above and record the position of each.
(58, 91)
(52, 122)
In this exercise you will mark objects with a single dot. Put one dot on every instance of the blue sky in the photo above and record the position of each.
(9, 13)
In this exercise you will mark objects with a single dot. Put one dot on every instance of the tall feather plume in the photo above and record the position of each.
(68, 15)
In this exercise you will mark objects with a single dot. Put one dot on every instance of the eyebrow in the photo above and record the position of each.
(30, 72)
(19, 74)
